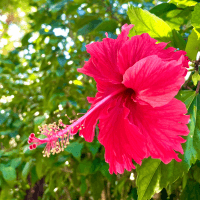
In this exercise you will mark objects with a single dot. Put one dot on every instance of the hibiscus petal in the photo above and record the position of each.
(141, 46)
(154, 81)
(88, 127)
(121, 139)
(171, 53)
(103, 61)
(162, 127)
(100, 106)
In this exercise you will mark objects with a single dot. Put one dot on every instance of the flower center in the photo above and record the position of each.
(129, 91)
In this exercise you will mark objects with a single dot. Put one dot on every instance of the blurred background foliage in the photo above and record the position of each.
(42, 43)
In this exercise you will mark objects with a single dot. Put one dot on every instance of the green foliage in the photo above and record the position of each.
(191, 191)
(195, 78)
(145, 22)
(97, 185)
(26, 169)
(196, 16)
(183, 3)
(9, 174)
(45, 86)
(193, 45)
(192, 143)
(39, 84)
(149, 175)
(75, 149)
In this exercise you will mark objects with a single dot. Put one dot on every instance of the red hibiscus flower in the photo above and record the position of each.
(138, 115)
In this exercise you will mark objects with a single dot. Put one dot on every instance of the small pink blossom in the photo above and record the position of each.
(138, 115)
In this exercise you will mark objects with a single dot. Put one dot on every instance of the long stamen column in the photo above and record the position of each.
(58, 136)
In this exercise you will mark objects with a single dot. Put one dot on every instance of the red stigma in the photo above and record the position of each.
(32, 135)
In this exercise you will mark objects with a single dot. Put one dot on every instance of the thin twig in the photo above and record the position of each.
(198, 87)
(67, 193)
(108, 191)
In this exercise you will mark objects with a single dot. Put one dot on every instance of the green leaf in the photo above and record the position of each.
(133, 195)
(195, 78)
(34, 177)
(93, 147)
(5, 193)
(61, 60)
(40, 169)
(16, 162)
(60, 71)
(1, 181)
(26, 38)
(17, 123)
(184, 180)
(84, 20)
(7, 62)
(170, 173)
(162, 8)
(145, 22)
(183, 3)
(104, 170)
(2, 119)
(71, 8)
(97, 185)
(178, 18)
(178, 40)
(7, 132)
(96, 164)
(79, 1)
(57, 7)
(89, 27)
(154, 175)
(26, 169)
(1, 153)
(191, 191)
(83, 186)
(39, 120)
(148, 180)
(186, 96)
(191, 147)
(193, 45)
(121, 184)
(196, 137)
(196, 16)
(107, 25)
(85, 167)
(9, 174)
(75, 149)
(196, 174)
